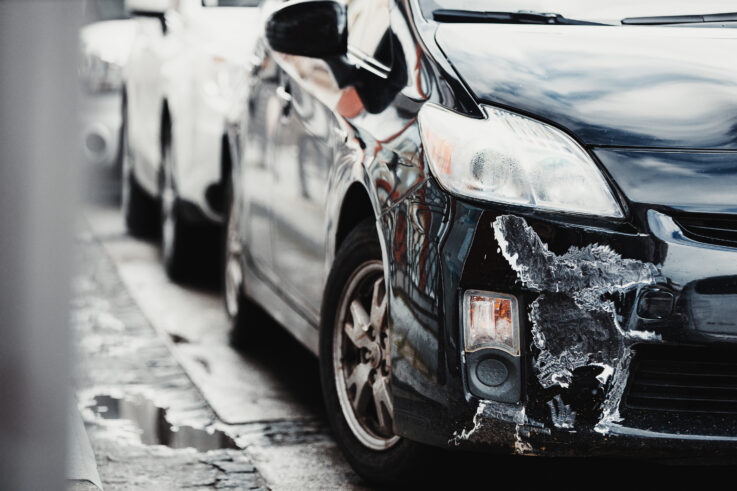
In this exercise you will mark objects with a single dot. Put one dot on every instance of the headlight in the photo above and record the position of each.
(99, 75)
(509, 158)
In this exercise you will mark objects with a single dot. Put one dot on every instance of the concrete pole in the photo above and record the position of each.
(38, 169)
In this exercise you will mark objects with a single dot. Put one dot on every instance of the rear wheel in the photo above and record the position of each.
(139, 209)
(355, 363)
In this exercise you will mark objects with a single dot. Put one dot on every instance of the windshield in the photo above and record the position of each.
(604, 11)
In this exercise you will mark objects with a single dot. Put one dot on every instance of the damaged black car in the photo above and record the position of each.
(500, 224)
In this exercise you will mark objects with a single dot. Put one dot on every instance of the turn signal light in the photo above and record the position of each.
(490, 322)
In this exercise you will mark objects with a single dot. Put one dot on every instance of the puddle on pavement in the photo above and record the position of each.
(155, 429)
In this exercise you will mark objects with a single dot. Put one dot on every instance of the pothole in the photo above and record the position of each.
(154, 427)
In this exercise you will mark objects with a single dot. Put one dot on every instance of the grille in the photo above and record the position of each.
(683, 380)
(717, 229)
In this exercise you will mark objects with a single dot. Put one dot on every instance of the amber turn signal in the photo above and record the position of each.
(490, 322)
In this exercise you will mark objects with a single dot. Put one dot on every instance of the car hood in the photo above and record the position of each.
(628, 86)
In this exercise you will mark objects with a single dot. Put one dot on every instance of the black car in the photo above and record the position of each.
(507, 230)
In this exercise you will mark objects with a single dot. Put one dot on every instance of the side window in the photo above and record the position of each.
(369, 31)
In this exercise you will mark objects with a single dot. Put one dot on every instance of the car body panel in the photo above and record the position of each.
(599, 83)
(101, 122)
(302, 158)
(144, 96)
(100, 110)
(704, 182)
(252, 169)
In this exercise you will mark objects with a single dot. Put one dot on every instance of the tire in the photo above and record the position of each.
(370, 447)
(138, 208)
(237, 306)
(178, 238)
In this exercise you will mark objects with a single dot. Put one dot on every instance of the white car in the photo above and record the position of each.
(187, 67)
(104, 48)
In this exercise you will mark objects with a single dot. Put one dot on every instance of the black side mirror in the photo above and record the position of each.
(314, 28)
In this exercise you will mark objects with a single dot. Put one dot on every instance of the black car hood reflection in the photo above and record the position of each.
(654, 87)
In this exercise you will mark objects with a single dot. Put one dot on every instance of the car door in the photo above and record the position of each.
(260, 121)
(309, 138)
(302, 158)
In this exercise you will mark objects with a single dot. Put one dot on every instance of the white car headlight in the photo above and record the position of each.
(509, 158)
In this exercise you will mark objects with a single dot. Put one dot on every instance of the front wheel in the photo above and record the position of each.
(355, 363)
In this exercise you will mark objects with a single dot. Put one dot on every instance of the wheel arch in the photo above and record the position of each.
(355, 207)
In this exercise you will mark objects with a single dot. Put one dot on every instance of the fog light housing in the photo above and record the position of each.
(490, 321)
(491, 346)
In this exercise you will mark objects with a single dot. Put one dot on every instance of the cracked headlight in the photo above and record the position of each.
(509, 158)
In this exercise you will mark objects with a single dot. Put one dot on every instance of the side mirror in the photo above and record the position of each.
(151, 8)
(314, 28)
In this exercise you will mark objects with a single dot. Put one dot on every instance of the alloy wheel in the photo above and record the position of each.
(362, 358)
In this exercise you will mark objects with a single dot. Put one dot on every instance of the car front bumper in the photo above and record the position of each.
(594, 297)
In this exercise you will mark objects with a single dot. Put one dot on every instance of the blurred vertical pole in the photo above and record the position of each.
(38, 169)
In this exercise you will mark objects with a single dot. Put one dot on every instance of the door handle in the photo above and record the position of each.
(283, 94)
(340, 133)
(254, 63)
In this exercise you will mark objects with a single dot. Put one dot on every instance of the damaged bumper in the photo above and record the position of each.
(628, 333)
(526, 436)
(628, 351)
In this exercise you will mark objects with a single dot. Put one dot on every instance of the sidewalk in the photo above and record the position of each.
(148, 426)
